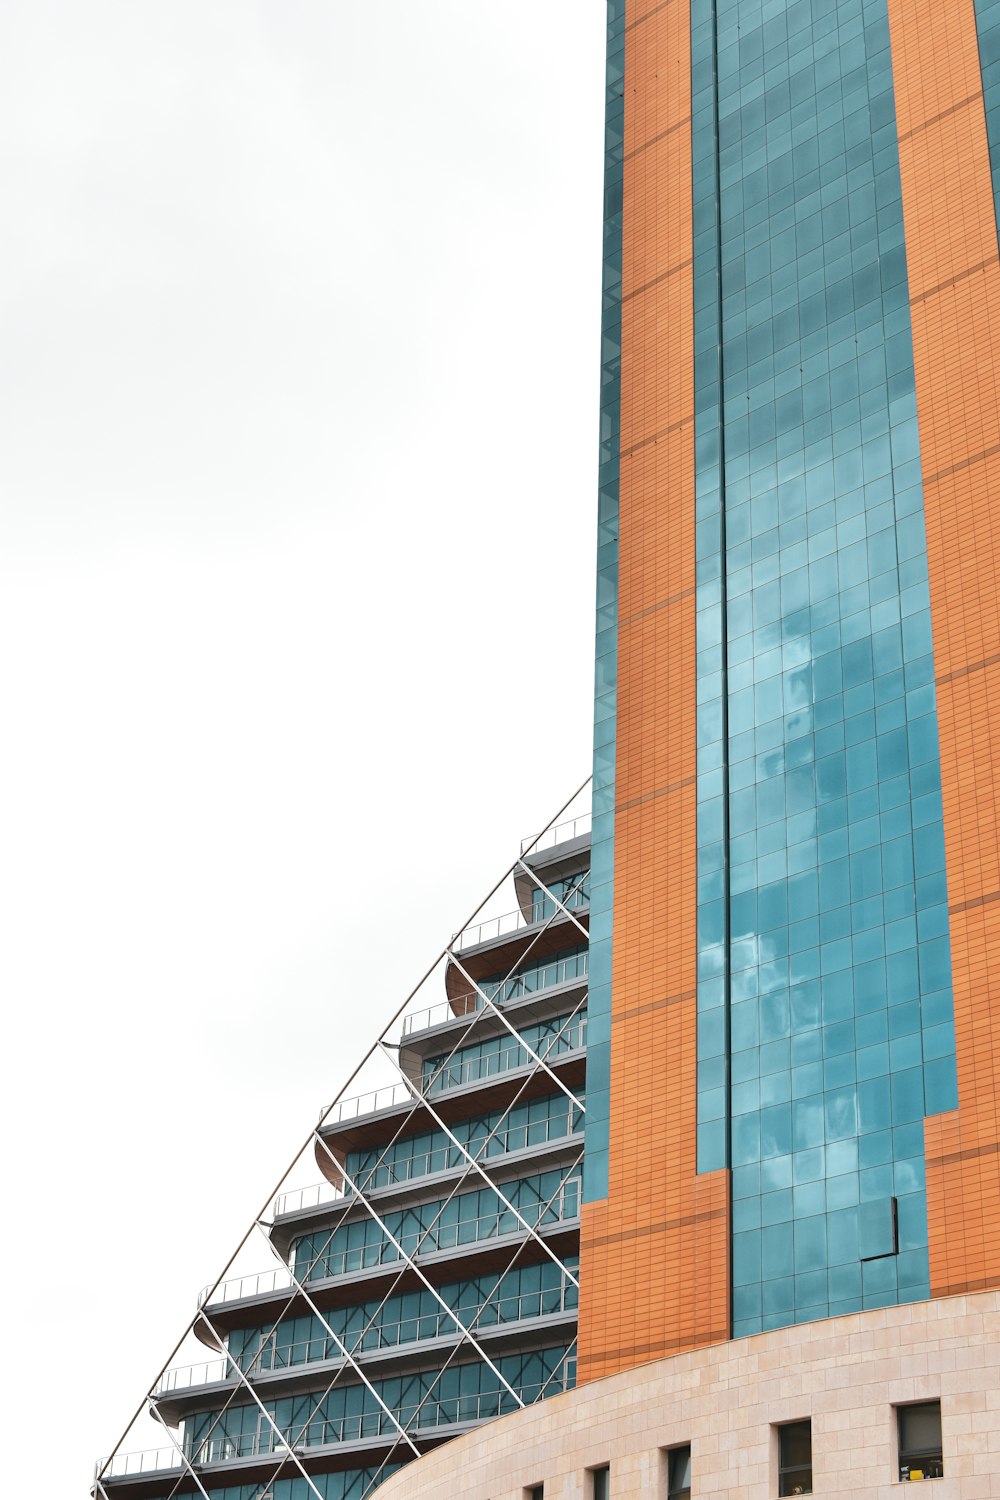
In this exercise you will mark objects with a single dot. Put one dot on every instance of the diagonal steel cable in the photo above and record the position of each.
(270, 1197)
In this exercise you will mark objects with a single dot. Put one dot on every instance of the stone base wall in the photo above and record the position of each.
(846, 1374)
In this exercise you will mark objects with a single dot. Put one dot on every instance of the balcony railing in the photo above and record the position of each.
(151, 1461)
(388, 1334)
(562, 833)
(414, 1416)
(365, 1104)
(331, 1264)
(550, 1049)
(440, 1158)
(565, 1207)
(308, 1197)
(190, 1377)
(242, 1287)
(512, 922)
(517, 987)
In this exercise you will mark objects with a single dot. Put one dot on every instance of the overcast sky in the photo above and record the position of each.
(298, 440)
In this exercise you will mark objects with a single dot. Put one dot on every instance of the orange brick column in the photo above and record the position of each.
(954, 272)
(654, 1273)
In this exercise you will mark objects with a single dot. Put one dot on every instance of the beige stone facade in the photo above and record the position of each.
(846, 1374)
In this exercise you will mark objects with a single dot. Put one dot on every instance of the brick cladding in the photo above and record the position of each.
(954, 273)
(655, 1253)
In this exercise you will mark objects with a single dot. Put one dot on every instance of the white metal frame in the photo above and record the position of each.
(419, 1100)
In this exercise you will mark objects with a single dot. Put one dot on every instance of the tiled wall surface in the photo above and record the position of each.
(654, 1254)
(954, 278)
(845, 1373)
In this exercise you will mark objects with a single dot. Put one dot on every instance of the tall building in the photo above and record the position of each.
(784, 1274)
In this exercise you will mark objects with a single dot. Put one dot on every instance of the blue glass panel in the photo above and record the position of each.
(824, 966)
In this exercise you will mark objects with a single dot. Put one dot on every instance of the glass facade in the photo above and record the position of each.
(548, 1040)
(559, 968)
(504, 1130)
(350, 1413)
(825, 1019)
(482, 1302)
(351, 1484)
(542, 1199)
(571, 891)
(606, 665)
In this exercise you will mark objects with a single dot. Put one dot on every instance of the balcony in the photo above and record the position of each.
(396, 1335)
(427, 1419)
(561, 833)
(564, 972)
(443, 1239)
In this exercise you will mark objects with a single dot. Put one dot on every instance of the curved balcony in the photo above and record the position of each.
(559, 833)
(432, 1418)
(472, 1238)
(383, 1339)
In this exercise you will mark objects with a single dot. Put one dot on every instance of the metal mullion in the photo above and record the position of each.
(371, 1322)
(415, 1105)
(185, 1461)
(343, 1349)
(522, 957)
(227, 1404)
(505, 1113)
(483, 1173)
(446, 953)
(569, 1350)
(257, 1401)
(517, 1252)
(488, 1004)
(552, 897)
(561, 1365)
(409, 1261)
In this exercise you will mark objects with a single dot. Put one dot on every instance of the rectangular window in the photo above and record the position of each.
(920, 1452)
(535, 1492)
(679, 1473)
(795, 1458)
(600, 1483)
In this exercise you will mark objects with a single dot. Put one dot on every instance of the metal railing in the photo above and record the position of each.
(564, 1207)
(331, 1264)
(149, 1461)
(448, 1158)
(574, 828)
(517, 987)
(415, 1416)
(391, 1334)
(512, 922)
(308, 1197)
(190, 1377)
(473, 1069)
(241, 1287)
(366, 1104)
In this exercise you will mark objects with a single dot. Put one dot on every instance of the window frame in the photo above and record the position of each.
(786, 1484)
(935, 1456)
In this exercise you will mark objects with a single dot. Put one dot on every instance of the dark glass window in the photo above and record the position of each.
(679, 1473)
(795, 1459)
(602, 1483)
(920, 1454)
(535, 1492)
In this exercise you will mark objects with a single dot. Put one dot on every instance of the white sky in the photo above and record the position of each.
(298, 440)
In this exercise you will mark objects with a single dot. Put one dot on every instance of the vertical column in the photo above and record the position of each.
(654, 1252)
(954, 278)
